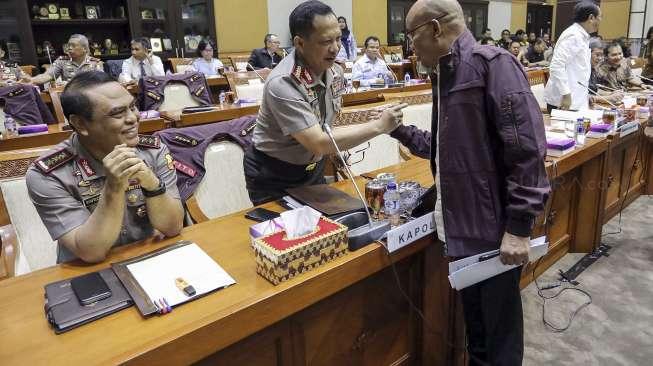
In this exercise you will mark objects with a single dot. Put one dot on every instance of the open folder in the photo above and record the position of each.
(153, 277)
(474, 269)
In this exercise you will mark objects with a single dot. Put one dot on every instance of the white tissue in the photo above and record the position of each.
(300, 221)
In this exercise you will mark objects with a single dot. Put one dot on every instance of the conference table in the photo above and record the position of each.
(347, 309)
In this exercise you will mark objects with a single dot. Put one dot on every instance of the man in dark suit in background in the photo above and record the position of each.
(266, 57)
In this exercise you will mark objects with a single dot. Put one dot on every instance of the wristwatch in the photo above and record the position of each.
(161, 189)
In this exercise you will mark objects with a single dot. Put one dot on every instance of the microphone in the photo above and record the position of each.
(256, 72)
(596, 94)
(364, 234)
(609, 88)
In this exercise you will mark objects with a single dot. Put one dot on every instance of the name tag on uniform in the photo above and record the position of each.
(91, 202)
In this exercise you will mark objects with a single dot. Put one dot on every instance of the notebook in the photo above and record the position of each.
(153, 276)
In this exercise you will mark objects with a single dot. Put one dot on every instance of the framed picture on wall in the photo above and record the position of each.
(156, 44)
(160, 13)
(91, 12)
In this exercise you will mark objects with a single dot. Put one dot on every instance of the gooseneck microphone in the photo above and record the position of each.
(256, 72)
(596, 94)
(374, 230)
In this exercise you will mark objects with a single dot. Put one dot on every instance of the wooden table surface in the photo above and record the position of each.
(196, 329)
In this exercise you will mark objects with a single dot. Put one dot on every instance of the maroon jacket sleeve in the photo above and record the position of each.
(416, 140)
(517, 118)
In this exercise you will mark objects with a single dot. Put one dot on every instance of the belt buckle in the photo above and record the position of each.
(310, 167)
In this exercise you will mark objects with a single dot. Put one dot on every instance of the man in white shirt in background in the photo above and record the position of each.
(143, 61)
(571, 65)
(370, 68)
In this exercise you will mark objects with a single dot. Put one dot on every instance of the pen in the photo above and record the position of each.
(488, 256)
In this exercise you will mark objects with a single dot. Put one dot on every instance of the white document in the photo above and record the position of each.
(469, 271)
(157, 275)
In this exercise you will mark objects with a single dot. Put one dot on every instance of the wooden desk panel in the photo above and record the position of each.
(198, 329)
(56, 134)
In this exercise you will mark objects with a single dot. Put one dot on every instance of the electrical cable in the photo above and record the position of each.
(623, 202)
(419, 312)
(541, 289)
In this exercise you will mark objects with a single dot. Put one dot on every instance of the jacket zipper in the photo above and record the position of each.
(514, 124)
(437, 162)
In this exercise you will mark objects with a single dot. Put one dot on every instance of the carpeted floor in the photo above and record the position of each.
(617, 328)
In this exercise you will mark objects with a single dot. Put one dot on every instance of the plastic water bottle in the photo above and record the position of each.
(392, 203)
(580, 131)
(222, 97)
(407, 79)
(10, 126)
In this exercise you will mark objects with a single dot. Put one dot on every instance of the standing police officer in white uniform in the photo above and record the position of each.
(302, 94)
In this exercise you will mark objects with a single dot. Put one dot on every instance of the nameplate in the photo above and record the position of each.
(411, 231)
(629, 128)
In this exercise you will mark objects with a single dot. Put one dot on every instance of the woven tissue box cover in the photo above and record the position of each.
(279, 258)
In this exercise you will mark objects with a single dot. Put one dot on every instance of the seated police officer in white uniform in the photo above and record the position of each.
(371, 69)
(301, 95)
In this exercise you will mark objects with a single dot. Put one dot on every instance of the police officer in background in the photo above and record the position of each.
(301, 94)
(78, 60)
(105, 185)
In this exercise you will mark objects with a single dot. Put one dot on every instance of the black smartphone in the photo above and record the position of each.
(90, 288)
(261, 214)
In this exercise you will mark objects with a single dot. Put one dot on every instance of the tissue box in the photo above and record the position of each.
(279, 258)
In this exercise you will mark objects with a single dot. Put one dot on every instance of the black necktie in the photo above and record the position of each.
(143, 74)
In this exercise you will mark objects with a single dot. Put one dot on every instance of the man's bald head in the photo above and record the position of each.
(446, 11)
(433, 26)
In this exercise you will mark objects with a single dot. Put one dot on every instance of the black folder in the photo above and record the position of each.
(64, 311)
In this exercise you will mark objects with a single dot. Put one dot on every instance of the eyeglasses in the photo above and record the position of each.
(410, 33)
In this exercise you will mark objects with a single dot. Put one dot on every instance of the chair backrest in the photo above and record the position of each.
(222, 189)
(55, 94)
(180, 64)
(637, 62)
(36, 248)
(28, 69)
(392, 53)
(538, 92)
(239, 62)
(247, 84)
(536, 77)
(177, 97)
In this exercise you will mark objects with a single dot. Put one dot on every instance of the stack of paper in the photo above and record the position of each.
(472, 270)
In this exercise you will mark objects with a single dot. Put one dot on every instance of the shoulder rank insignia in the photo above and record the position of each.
(199, 91)
(154, 96)
(184, 140)
(302, 75)
(152, 81)
(248, 129)
(50, 162)
(16, 92)
(149, 141)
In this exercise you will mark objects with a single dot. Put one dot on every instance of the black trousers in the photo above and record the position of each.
(494, 320)
(267, 178)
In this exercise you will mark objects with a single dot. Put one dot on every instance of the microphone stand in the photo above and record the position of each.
(256, 72)
(364, 234)
(596, 94)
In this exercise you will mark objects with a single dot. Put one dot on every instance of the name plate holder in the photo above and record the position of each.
(410, 232)
(629, 128)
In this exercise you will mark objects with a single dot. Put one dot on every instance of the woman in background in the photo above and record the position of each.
(205, 62)
(348, 50)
